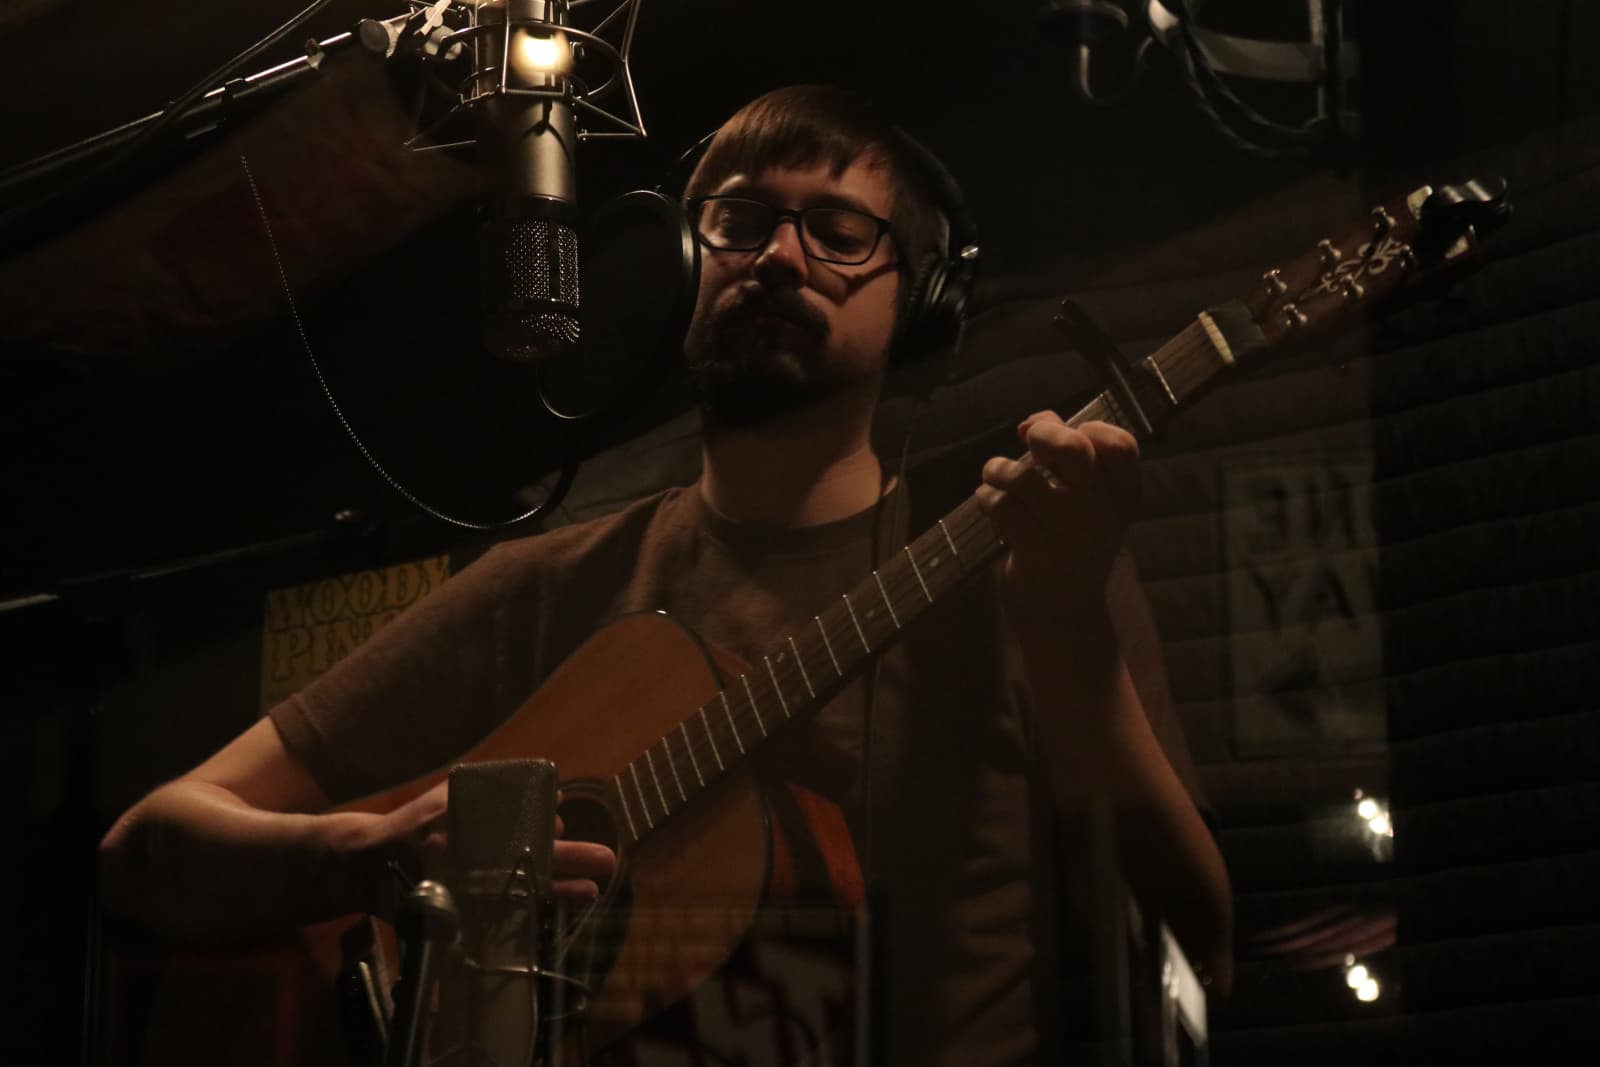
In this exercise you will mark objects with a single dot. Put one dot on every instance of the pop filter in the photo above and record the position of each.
(640, 273)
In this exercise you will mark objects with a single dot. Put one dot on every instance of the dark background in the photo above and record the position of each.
(168, 455)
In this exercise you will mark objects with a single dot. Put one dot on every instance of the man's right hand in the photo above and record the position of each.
(235, 849)
(414, 835)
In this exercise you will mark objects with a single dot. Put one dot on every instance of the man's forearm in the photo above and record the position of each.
(194, 862)
(1099, 743)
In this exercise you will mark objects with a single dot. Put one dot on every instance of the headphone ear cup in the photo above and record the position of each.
(926, 290)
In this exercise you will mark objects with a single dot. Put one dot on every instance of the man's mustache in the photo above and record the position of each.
(783, 304)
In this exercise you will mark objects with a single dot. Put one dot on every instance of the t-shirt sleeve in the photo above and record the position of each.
(423, 689)
(1141, 650)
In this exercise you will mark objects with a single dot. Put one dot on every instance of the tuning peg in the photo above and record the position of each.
(1382, 222)
(1330, 255)
(1293, 316)
(1352, 289)
(1275, 282)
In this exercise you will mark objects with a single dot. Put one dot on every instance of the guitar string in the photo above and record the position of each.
(1189, 349)
(1175, 368)
(1181, 353)
(967, 522)
(1181, 356)
(962, 532)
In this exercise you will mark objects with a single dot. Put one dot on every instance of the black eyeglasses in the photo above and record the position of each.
(829, 234)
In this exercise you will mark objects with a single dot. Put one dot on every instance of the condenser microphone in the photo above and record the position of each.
(502, 835)
(528, 238)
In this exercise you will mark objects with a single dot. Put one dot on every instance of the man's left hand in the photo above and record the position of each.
(1063, 513)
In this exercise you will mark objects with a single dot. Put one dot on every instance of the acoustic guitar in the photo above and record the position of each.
(670, 782)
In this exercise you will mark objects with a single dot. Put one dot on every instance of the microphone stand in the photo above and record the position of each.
(429, 928)
(47, 189)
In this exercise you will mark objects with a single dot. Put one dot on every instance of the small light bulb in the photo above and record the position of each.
(1357, 976)
(533, 55)
(1367, 808)
(1380, 825)
(1368, 991)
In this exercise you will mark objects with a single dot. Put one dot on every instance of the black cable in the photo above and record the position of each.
(902, 489)
(569, 466)
(1207, 84)
(1220, 87)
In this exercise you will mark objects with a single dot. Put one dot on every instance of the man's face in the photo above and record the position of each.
(775, 330)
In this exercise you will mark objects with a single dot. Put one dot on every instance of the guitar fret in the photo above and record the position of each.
(650, 760)
(711, 737)
(751, 693)
(727, 710)
(798, 662)
(828, 645)
(672, 765)
(948, 539)
(1150, 362)
(623, 800)
(859, 631)
(918, 572)
(692, 761)
(776, 688)
(886, 602)
(639, 792)
(1113, 409)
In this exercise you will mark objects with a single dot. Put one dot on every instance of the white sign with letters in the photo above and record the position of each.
(1305, 637)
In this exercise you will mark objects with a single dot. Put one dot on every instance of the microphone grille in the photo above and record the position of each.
(542, 257)
(530, 287)
(498, 810)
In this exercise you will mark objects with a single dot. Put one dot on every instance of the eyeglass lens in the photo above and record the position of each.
(835, 235)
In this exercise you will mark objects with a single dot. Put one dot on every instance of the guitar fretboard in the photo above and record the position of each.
(810, 666)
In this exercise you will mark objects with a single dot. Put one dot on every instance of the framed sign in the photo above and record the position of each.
(1304, 636)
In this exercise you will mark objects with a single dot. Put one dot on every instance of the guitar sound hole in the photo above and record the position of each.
(598, 937)
(585, 818)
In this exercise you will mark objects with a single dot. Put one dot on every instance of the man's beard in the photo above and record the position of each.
(759, 356)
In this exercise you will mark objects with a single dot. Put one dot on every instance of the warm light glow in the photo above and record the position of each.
(1368, 991)
(1375, 814)
(533, 55)
(1357, 976)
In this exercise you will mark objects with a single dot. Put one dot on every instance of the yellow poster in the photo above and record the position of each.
(308, 628)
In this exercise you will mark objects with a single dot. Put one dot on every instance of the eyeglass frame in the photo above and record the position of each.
(694, 204)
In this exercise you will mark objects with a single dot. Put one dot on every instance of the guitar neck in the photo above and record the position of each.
(809, 667)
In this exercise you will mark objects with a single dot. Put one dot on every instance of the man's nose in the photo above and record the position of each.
(783, 260)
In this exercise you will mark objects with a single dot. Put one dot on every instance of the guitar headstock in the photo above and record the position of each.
(1425, 235)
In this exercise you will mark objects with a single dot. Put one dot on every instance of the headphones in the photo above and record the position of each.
(935, 302)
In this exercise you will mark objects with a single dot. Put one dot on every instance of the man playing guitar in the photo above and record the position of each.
(814, 225)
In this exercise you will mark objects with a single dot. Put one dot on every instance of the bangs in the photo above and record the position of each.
(802, 126)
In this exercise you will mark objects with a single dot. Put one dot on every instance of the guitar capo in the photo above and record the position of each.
(1095, 345)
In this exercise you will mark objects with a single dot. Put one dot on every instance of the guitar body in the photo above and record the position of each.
(681, 903)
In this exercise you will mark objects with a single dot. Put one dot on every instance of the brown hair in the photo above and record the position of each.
(803, 125)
